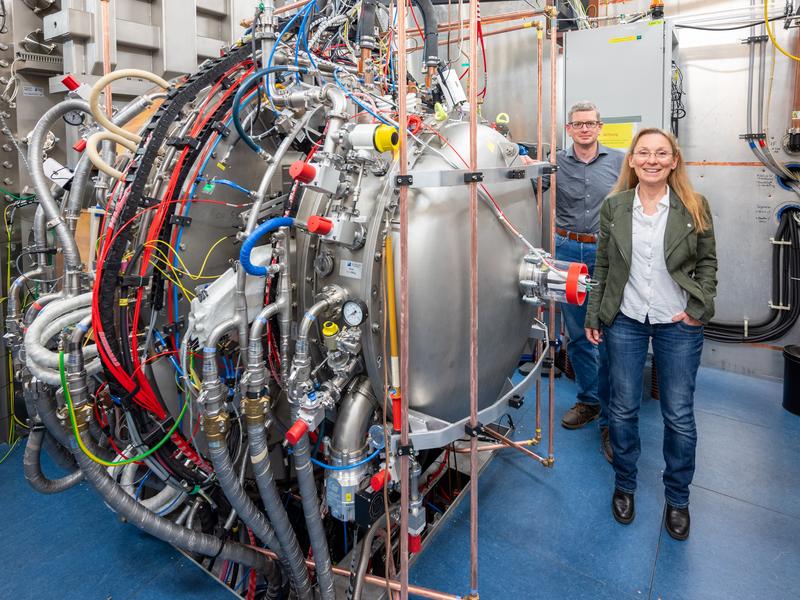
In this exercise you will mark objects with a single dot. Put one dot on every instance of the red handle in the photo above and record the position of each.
(379, 480)
(319, 225)
(302, 172)
(414, 543)
(79, 146)
(71, 83)
(296, 431)
(396, 416)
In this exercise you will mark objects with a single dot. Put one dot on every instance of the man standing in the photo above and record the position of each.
(587, 171)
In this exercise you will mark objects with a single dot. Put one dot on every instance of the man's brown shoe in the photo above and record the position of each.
(605, 444)
(579, 415)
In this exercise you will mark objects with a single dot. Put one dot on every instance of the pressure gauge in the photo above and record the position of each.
(354, 312)
(75, 118)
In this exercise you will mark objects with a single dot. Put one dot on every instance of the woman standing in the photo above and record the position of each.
(656, 279)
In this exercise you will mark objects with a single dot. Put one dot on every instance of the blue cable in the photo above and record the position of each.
(363, 461)
(251, 81)
(345, 536)
(259, 232)
(227, 182)
(353, 98)
(170, 506)
(141, 483)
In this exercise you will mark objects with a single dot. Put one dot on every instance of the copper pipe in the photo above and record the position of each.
(516, 445)
(402, 117)
(491, 447)
(552, 381)
(486, 34)
(539, 200)
(795, 108)
(373, 579)
(472, 97)
(105, 17)
(500, 18)
(287, 7)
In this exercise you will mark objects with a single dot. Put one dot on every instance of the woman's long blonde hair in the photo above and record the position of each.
(678, 181)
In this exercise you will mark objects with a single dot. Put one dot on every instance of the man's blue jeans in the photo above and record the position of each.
(676, 349)
(588, 361)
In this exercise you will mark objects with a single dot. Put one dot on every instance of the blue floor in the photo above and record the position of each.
(549, 534)
(71, 546)
(544, 533)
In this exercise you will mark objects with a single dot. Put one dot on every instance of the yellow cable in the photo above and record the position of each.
(185, 270)
(772, 37)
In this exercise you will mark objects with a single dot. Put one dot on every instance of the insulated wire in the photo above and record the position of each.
(86, 451)
(772, 37)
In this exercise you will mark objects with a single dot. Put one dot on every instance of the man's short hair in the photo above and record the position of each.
(582, 106)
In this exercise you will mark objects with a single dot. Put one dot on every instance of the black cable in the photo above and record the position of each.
(679, 26)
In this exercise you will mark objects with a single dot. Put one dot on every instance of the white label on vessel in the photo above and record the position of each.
(351, 269)
(32, 90)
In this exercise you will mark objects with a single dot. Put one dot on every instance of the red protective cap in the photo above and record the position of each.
(71, 83)
(379, 480)
(296, 431)
(414, 543)
(79, 146)
(395, 397)
(319, 225)
(574, 295)
(302, 171)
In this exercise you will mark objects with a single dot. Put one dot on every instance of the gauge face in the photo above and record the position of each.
(74, 117)
(354, 312)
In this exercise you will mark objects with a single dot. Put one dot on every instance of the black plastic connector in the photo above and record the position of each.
(220, 128)
(404, 180)
(175, 327)
(405, 450)
(516, 401)
(180, 220)
(473, 177)
(182, 142)
(473, 431)
(516, 174)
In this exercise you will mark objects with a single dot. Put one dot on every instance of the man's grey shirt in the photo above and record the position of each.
(581, 187)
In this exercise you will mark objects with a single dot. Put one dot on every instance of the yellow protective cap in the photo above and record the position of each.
(385, 138)
(329, 329)
(440, 112)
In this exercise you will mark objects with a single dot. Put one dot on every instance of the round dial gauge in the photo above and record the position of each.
(75, 118)
(354, 312)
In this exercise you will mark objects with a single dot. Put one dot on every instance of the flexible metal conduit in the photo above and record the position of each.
(31, 463)
(72, 258)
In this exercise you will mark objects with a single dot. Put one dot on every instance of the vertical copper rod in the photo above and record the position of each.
(552, 381)
(105, 16)
(539, 200)
(795, 108)
(473, 296)
(402, 117)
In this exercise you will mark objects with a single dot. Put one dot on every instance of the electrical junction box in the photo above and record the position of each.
(626, 70)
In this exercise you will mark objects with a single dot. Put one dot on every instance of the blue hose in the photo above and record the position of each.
(240, 93)
(259, 232)
(346, 467)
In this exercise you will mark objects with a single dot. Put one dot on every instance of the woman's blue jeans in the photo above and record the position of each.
(676, 350)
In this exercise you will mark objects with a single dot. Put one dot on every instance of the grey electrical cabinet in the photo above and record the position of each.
(626, 70)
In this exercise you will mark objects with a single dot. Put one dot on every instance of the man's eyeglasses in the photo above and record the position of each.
(582, 124)
(661, 155)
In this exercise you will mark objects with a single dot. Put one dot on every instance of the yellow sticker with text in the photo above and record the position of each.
(616, 135)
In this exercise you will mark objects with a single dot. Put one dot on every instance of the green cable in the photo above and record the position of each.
(86, 451)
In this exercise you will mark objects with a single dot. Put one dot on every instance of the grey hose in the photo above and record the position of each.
(262, 470)
(31, 463)
(316, 530)
(165, 530)
(72, 257)
(240, 501)
(363, 559)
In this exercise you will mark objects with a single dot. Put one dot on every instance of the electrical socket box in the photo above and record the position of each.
(626, 71)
